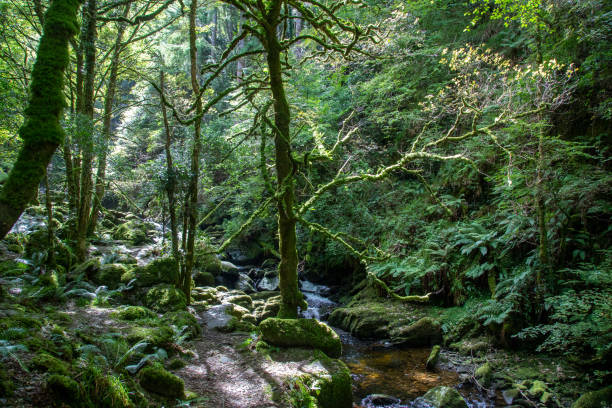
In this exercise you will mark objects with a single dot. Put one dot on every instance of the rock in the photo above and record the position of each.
(484, 374)
(204, 278)
(433, 358)
(133, 231)
(468, 347)
(210, 295)
(245, 284)
(537, 389)
(184, 321)
(47, 363)
(362, 321)
(157, 380)
(380, 400)
(156, 336)
(164, 298)
(265, 295)
(110, 275)
(268, 282)
(424, 332)
(64, 390)
(240, 300)
(133, 313)
(270, 309)
(444, 397)
(334, 386)
(510, 395)
(301, 333)
(222, 317)
(162, 270)
(595, 399)
(88, 269)
(229, 269)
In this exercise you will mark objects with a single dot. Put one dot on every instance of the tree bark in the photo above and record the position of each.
(171, 182)
(291, 296)
(41, 131)
(87, 152)
(109, 100)
(195, 157)
(50, 227)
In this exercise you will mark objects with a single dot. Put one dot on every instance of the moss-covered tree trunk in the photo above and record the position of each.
(41, 132)
(171, 181)
(109, 100)
(195, 157)
(87, 146)
(291, 296)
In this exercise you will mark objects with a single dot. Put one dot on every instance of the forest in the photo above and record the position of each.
(306, 203)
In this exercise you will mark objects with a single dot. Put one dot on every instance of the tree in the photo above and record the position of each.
(41, 132)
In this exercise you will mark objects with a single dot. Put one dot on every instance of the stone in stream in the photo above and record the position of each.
(433, 358)
(270, 281)
(424, 332)
(380, 400)
(443, 397)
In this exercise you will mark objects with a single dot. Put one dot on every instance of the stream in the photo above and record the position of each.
(387, 377)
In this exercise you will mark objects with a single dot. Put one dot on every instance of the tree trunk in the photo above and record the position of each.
(41, 132)
(87, 152)
(50, 228)
(195, 157)
(291, 296)
(109, 100)
(541, 214)
(171, 182)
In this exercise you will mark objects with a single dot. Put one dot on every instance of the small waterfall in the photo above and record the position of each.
(319, 306)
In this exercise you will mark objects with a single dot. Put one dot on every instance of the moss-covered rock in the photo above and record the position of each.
(468, 347)
(158, 380)
(185, 321)
(424, 332)
(444, 397)
(165, 298)
(595, 399)
(484, 374)
(205, 259)
(162, 270)
(363, 320)
(433, 358)
(88, 269)
(301, 333)
(269, 309)
(133, 313)
(176, 364)
(204, 278)
(240, 300)
(133, 232)
(210, 295)
(155, 336)
(110, 275)
(47, 363)
(335, 387)
(64, 390)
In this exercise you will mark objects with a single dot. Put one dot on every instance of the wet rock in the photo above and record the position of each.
(164, 298)
(444, 397)
(424, 332)
(245, 284)
(270, 281)
(595, 399)
(484, 374)
(380, 400)
(433, 358)
(301, 333)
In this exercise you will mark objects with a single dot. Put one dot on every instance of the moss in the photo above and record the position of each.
(301, 333)
(6, 385)
(155, 336)
(12, 268)
(64, 390)
(165, 298)
(176, 364)
(595, 399)
(88, 269)
(110, 275)
(444, 397)
(183, 320)
(205, 259)
(210, 295)
(469, 347)
(484, 374)
(163, 270)
(235, 324)
(48, 363)
(133, 313)
(132, 231)
(538, 388)
(203, 278)
(425, 332)
(433, 358)
(240, 300)
(335, 388)
(157, 380)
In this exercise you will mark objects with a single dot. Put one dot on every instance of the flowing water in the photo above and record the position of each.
(383, 376)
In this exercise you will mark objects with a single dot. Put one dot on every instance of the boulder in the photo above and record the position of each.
(245, 284)
(227, 318)
(132, 231)
(110, 275)
(158, 380)
(335, 390)
(301, 333)
(484, 374)
(444, 397)
(270, 308)
(424, 332)
(229, 270)
(133, 313)
(433, 358)
(362, 321)
(165, 298)
(203, 278)
(162, 270)
(269, 282)
(595, 399)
